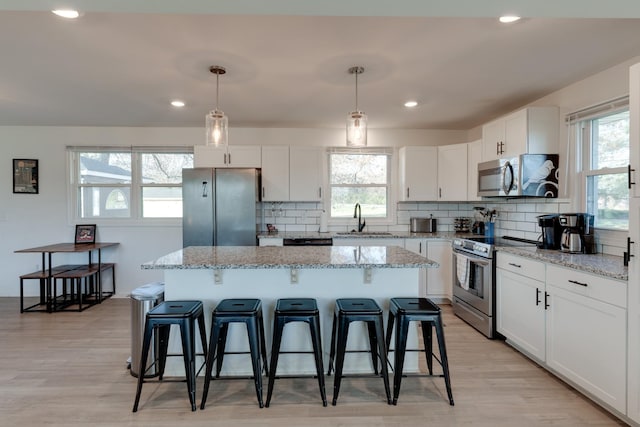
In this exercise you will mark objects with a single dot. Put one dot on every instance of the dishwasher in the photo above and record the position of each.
(308, 241)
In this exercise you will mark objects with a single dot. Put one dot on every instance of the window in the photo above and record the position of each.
(605, 145)
(142, 182)
(359, 177)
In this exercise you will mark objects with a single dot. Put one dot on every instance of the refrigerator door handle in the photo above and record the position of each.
(204, 189)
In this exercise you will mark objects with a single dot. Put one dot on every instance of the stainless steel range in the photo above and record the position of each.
(474, 280)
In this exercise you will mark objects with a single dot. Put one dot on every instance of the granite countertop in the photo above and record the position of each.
(298, 257)
(364, 235)
(604, 265)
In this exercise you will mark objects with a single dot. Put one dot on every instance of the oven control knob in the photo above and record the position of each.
(480, 248)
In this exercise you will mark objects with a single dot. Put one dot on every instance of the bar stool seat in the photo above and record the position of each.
(297, 310)
(402, 311)
(348, 310)
(159, 319)
(249, 312)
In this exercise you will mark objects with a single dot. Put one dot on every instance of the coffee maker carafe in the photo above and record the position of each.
(577, 233)
(551, 231)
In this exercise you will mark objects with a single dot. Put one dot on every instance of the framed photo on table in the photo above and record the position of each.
(25, 176)
(85, 233)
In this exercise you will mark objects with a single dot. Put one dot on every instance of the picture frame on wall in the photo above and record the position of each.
(85, 233)
(25, 176)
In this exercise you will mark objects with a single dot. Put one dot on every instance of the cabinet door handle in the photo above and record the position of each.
(578, 283)
(407, 192)
(204, 189)
(263, 192)
(497, 148)
(420, 248)
(629, 182)
(538, 296)
(515, 265)
(628, 255)
(229, 155)
(440, 192)
(320, 192)
(546, 300)
(225, 158)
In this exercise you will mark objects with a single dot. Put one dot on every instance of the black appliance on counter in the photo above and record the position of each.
(551, 231)
(577, 233)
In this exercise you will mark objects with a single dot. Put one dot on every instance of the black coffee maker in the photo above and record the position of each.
(551, 231)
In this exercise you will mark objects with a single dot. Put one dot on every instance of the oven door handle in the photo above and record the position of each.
(485, 262)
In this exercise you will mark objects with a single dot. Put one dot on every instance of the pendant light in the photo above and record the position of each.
(356, 120)
(217, 123)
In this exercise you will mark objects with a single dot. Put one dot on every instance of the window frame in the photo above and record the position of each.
(135, 187)
(584, 127)
(390, 218)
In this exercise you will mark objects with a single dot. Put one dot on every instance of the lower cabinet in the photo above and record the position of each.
(573, 323)
(440, 280)
(521, 316)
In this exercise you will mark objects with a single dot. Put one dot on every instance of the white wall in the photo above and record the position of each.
(28, 220)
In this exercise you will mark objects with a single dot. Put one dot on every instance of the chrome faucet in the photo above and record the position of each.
(357, 213)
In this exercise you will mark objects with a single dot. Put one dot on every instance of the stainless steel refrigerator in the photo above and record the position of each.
(219, 207)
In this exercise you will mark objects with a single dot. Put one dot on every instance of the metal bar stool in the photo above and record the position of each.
(422, 310)
(349, 310)
(160, 318)
(249, 312)
(297, 310)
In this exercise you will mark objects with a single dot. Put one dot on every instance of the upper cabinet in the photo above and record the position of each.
(530, 130)
(233, 156)
(474, 156)
(305, 173)
(275, 173)
(418, 173)
(452, 179)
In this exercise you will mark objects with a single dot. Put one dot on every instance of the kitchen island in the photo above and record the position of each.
(213, 273)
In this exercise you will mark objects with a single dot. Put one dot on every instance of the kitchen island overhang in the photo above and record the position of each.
(212, 273)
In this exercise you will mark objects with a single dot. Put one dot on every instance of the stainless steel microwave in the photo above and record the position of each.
(528, 175)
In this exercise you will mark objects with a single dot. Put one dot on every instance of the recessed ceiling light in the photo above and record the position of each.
(66, 13)
(177, 103)
(411, 104)
(506, 19)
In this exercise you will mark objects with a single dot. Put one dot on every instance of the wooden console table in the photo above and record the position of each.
(48, 274)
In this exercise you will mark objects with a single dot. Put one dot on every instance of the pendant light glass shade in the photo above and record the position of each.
(356, 120)
(357, 129)
(217, 124)
(217, 128)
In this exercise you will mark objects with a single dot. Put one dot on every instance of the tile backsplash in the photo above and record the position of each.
(516, 218)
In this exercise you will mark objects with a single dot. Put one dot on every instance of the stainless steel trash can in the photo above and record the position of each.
(143, 299)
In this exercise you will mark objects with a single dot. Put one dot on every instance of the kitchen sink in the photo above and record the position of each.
(363, 233)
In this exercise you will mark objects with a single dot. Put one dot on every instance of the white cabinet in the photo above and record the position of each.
(474, 156)
(419, 246)
(586, 332)
(305, 173)
(452, 172)
(530, 130)
(520, 302)
(440, 280)
(418, 173)
(233, 156)
(275, 173)
(633, 384)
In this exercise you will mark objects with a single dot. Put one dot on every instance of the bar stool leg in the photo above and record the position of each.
(332, 354)
(222, 344)
(402, 330)
(314, 328)
(203, 335)
(263, 345)
(443, 357)
(427, 339)
(390, 322)
(278, 326)
(341, 344)
(254, 344)
(383, 355)
(148, 330)
(186, 332)
(163, 345)
(213, 343)
(373, 345)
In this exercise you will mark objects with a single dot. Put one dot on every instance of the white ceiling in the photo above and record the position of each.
(111, 68)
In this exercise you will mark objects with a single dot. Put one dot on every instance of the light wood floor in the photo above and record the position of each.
(69, 369)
